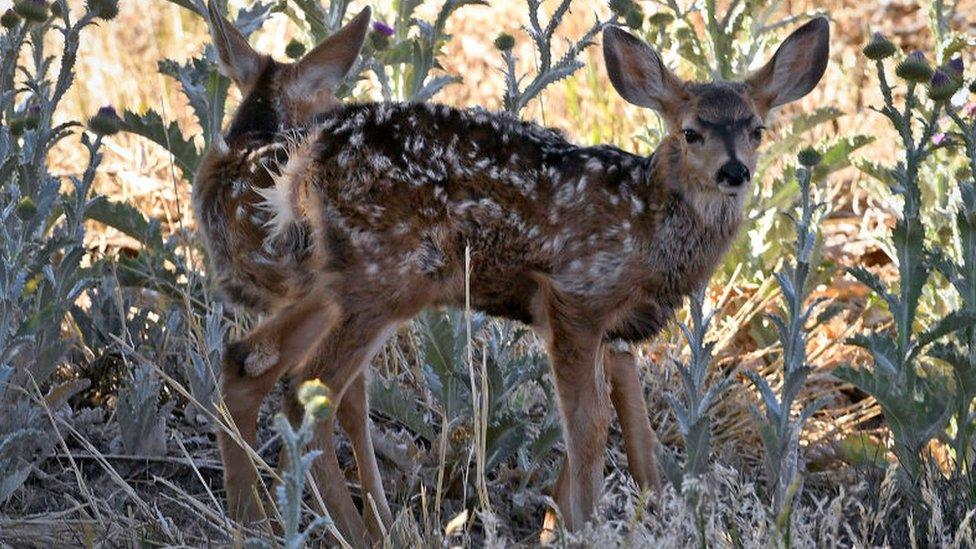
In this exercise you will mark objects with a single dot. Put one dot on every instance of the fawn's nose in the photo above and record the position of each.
(733, 173)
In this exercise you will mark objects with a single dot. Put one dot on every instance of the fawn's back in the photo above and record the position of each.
(396, 193)
(380, 204)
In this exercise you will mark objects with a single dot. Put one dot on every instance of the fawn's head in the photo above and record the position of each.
(717, 125)
(284, 95)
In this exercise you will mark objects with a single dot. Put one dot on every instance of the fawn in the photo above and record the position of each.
(339, 222)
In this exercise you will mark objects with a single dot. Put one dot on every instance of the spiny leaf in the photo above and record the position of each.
(127, 219)
(151, 126)
(952, 322)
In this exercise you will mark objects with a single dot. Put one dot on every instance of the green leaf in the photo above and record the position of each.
(872, 281)
(390, 400)
(204, 88)
(151, 126)
(802, 123)
(837, 156)
(128, 220)
(954, 321)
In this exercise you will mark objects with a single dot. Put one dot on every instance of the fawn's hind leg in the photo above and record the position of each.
(354, 419)
(340, 362)
(640, 440)
(292, 331)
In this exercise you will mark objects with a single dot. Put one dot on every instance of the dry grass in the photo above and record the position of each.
(90, 494)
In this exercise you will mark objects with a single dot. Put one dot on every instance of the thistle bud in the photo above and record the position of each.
(294, 49)
(879, 47)
(380, 37)
(34, 11)
(383, 28)
(661, 19)
(16, 126)
(809, 157)
(634, 18)
(914, 68)
(942, 86)
(622, 7)
(32, 117)
(105, 122)
(104, 9)
(314, 396)
(311, 390)
(9, 19)
(26, 209)
(955, 68)
(504, 41)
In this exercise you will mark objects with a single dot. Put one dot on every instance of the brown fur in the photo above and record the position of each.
(350, 223)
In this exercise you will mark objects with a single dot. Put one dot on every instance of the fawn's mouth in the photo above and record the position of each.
(730, 190)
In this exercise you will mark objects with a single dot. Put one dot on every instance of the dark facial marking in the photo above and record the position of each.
(726, 130)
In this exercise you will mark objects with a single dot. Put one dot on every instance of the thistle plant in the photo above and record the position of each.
(696, 397)
(735, 35)
(960, 353)
(314, 397)
(779, 427)
(508, 368)
(402, 55)
(41, 228)
(550, 67)
(142, 418)
(916, 403)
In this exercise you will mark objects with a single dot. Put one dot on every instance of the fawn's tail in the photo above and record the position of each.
(285, 199)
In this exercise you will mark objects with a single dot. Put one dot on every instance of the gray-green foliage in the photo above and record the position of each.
(295, 469)
(41, 228)
(779, 427)
(550, 67)
(917, 403)
(141, 416)
(510, 362)
(691, 406)
(960, 354)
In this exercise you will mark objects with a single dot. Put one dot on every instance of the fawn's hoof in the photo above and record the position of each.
(252, 360)
(261, 358)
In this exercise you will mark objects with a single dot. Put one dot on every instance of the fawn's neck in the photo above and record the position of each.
(697, 221)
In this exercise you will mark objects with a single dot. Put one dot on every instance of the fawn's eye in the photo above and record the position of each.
(691, 136)
(757, 133)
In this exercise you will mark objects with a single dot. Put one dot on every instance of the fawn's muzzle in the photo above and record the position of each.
(733, 173)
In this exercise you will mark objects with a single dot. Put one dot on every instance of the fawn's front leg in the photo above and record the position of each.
(640, 440)
(580, 385)
(292, 331)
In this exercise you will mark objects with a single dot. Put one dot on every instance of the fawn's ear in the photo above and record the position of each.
(795, 68)
(236, 59)
(327, 64)
(638, 73)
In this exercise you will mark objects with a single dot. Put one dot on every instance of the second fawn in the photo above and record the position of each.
(341, 222)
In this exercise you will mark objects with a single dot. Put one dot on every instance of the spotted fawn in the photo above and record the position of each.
(340, 222)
